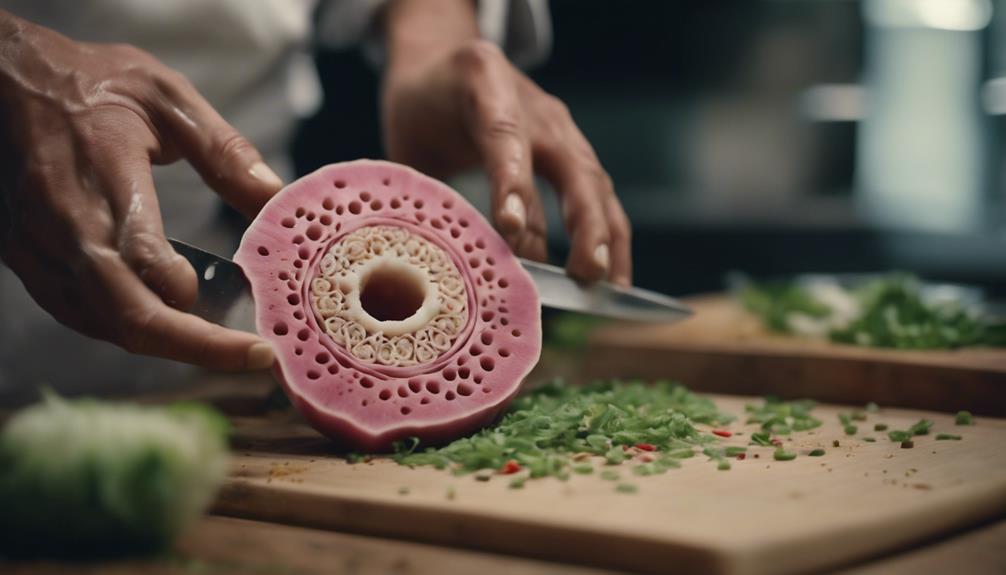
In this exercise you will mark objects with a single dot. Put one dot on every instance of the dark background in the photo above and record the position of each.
(652, 83)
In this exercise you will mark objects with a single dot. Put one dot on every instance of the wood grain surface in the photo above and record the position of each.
(859, 501)
(724, 349)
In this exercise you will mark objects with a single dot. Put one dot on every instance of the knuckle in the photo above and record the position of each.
(132, 330)
(230, 146)
(478, 55)
(145, 252)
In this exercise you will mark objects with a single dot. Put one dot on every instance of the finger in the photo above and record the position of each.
(145, 325)
(531, 241)
(49, 287)
(621, 243)
(583, 188)
(493, 117)
(139, 234)
(227, 161)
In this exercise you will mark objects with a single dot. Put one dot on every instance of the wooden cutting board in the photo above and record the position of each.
(724, 349)
(858, 501)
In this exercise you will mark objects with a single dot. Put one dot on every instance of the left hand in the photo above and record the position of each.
(469, 105)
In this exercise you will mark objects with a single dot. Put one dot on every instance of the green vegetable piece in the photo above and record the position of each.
(844, 419)
(964, 418)
(880, 427)
(816, 452)
(783, 455)
(734, 450)
(872, 407)
(761, 438)
(947, 436)
(723, 465)
(851, 429)
(583, 469)
(898, 436)
(869, 439)
(517, 482)
(610, 475)
(626, 488)
(88, 479)
(858, 416)
(921, 427)
(615, 455)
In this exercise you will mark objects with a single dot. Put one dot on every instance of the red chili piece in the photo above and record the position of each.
(510, 467)
(722, 432)
(646, 446)
(741, 456)
(776, 442)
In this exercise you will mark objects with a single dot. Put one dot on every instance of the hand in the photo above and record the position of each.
(80, 125)
(448, 108)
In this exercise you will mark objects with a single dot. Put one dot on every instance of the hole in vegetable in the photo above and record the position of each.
(406, 410)
(480, 244)
(465, 389)
(288, 222)
(304, 253)
(327, 203)
(355, 207)
(437, 224)
(386, 181)
(322, 358)
(263, 251)
(304, 334)
(385, 395)
(396, 203)
(449, 396)
(312, 374)
(504, 352)
(464, 373)
(487, 338)
(280, 328)
(515, 333)
(450, 374)
(433, 387)
(340, 184)
(403, 391)
(300, 212)
(325, 220)
(334, 369)
(415, 386)
(298, 314)
(298, 239)
(366, 383)
(487, 363)
(488, 315)
(313, 232)
(365, 196)
(376, 205)
(293, 299)
(391, 292)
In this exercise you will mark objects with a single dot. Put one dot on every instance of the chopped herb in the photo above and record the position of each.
(583, 469)
(626, 488)
(964, 418)
(552, 428)
(907, 444)
(783, 455)
(782, 417)
(723, 465)
(858, 416)
(610, 475)
(816, 452)
(872, 407)
(734, 450)
(880, 427)
(898, 436)
(761, 438)
(947, 436)
(869, 439)
(517, 482)
(851, 429)
(921, 427)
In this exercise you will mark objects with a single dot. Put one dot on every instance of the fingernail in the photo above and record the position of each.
(601, 257)
(514, 206)
(264, 173)
(260, 356)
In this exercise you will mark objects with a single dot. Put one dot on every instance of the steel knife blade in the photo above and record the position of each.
(224, 296)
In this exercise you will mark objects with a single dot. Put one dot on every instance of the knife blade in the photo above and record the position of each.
(224, 296)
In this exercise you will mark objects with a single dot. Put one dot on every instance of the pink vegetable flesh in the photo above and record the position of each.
(394, 307)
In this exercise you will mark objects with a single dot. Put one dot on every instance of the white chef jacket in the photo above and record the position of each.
(248, 58)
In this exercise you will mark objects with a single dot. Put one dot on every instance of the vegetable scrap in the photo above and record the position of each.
(783, 417)
(891, 311)
(86, 478)
(964, 418)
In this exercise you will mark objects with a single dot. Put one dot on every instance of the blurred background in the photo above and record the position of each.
(770, 137)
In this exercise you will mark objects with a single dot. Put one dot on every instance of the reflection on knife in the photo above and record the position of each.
(224, 296)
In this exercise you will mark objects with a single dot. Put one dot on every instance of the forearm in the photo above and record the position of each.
(419, 32)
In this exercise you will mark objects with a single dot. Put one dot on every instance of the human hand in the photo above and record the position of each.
(447, 106)
(80, 126)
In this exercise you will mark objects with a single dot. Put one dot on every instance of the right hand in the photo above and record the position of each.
(80, 126)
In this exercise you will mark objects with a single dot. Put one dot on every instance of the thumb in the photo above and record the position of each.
(227, 162)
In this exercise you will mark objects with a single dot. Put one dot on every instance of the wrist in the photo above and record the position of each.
(420, 32)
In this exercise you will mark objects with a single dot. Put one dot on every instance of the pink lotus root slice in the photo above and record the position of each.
(394, 308)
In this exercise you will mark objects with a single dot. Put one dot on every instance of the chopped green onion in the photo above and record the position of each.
(897, 436)
(723, 465)
(869, 439)
(947, 436)
(783, 455)
(872, 407)
(734, 450)
(610, 475)
(907, 444)
(816, 452)
(880, 427)
(851, 429)
(964, 418)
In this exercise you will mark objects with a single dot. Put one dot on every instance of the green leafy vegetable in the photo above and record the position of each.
(947, 436)
(964, 418)
(889, 312)
(98, 479)
(816, 452)
(783, 455)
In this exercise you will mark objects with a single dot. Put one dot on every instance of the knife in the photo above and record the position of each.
(224, 296)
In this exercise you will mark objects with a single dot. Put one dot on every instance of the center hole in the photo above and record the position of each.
(392, 292)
